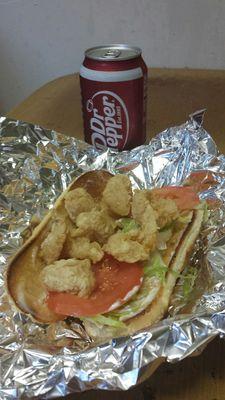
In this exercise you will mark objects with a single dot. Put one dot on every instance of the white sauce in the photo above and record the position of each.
(115, 305)
(118, 303)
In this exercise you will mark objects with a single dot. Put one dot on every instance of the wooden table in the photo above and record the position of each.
(173, 94)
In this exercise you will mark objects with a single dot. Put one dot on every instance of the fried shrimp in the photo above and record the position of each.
(69, 275)
(125, 249)
(144, 214)
(82, 248)
(96, 224)
(52, 246)
(139, 205)
(117, 195)
(78, 201)
(166, 210)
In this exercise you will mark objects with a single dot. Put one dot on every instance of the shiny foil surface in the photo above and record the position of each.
(47, 361)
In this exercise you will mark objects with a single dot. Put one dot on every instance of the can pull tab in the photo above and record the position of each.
(112, 53)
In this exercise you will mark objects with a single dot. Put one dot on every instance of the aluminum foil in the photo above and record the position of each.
(36, 165)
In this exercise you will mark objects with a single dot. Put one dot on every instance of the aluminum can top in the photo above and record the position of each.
(113, 52)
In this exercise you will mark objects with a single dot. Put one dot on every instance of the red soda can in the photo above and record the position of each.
(113, 81)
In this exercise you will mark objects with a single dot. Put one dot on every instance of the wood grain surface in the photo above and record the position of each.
(173, 94)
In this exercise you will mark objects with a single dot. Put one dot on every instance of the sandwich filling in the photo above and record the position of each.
(105, 259)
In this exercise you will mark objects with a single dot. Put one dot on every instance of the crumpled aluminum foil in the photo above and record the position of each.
(36, 165)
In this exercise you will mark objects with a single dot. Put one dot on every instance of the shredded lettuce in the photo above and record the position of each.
(156, 267)
(167, 227)
(178, 224)
(176, 274)
(185, 219)
(139, 301)
(128, 224)
(162, 239)
(189, 280)
(103, 320)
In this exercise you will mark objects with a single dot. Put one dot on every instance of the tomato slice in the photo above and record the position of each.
(115, 280)
(185, 197)
(201, 180)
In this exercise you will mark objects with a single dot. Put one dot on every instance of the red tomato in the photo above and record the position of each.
(114, 280)
(201, 180)
(185, 197)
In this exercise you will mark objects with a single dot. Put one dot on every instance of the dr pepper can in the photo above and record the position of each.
(113, 81)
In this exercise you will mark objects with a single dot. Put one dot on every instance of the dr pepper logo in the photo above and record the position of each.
(109, 122)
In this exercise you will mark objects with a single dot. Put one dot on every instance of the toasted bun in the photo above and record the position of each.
(27, 292)
(25, 288)
(179, 255)
(160, 305)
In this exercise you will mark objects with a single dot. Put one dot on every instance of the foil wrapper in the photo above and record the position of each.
(47, 361)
